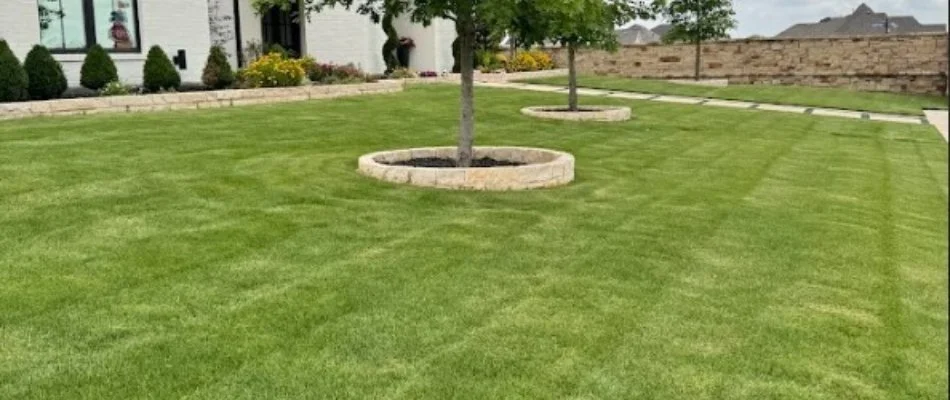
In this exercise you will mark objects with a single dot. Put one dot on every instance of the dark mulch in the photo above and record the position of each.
(436, 162)
(564, 109)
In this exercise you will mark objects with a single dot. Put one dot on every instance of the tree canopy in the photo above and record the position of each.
(699, 20)
(589, 23)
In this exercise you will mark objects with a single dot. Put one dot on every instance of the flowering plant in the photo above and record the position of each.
(274, 70)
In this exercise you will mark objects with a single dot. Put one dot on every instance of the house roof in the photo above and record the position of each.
(662, 29)
(636, 34)
(863, 21)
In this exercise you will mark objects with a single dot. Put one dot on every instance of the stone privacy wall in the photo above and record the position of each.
(914, 63)
(190, 100)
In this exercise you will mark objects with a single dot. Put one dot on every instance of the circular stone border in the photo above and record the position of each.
(544, 168)
(591, 113)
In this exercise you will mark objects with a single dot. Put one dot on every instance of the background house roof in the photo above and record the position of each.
(662, 29)
(863, 21)
(636, 34)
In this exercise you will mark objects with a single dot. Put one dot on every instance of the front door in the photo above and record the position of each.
(282, 28)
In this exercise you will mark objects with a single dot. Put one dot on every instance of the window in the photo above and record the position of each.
(74, 25)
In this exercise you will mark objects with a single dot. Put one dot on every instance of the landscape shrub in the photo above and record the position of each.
(97, 69)
(318, 72)
(428, 74)
(45, 75)
(523, 62)
(348, 73)
(217, 73)
(403, 73)
(14, 82)
(274, 70)
(275, 48)
(79, 92)
(193, 87)
(488, 60)
(115, 88)
(543, 59)
(329, 74)
(159, 73)
(534, 60)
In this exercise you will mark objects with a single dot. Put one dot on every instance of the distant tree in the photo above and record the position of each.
(572, 24)
(695, 21)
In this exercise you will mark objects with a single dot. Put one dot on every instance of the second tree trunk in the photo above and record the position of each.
(571, 78)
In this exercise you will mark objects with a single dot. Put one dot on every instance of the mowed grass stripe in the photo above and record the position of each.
(703, 253)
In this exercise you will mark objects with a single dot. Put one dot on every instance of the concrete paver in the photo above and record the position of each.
(938, 118)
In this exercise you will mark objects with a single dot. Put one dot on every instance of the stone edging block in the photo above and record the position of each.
(545, 168)
(589, 113)
(190, 100)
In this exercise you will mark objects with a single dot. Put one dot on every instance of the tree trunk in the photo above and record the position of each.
(699, 58)
(571, 78)
(467, 123)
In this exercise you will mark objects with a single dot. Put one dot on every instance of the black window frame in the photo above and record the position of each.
(89, 22)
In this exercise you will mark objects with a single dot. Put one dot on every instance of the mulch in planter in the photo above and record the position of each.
(438, 162)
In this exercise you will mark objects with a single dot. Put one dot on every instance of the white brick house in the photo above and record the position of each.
(127, 28)
(337, 36)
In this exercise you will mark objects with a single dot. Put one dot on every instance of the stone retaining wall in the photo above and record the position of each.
(190, 100)
(914, 63)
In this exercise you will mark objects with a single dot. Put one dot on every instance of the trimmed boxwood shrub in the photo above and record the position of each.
(14, 81)
(98, 69)
(217, 73)
(159, 73)
(47, 80)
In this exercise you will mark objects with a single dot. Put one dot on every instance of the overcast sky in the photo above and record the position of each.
(769, 17)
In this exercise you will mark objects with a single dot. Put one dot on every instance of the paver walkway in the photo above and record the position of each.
(938, 118)
(826, 112)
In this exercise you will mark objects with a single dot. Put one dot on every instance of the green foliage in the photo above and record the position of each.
(274, 70)
(159, 72)
(217, 73)
(403, 73)
(115, 88)
(699, 20)
(47, 80)
(329, 74)
(534, 60)
(14, 82)
(571, 22)
(97, 69)
(275, 48)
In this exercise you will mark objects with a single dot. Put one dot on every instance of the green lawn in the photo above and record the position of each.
(703, 253)
(797, 95)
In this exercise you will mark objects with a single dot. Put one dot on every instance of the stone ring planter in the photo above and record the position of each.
(586, 113)
(542, 168)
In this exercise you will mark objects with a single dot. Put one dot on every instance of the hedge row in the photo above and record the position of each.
(41, 77)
